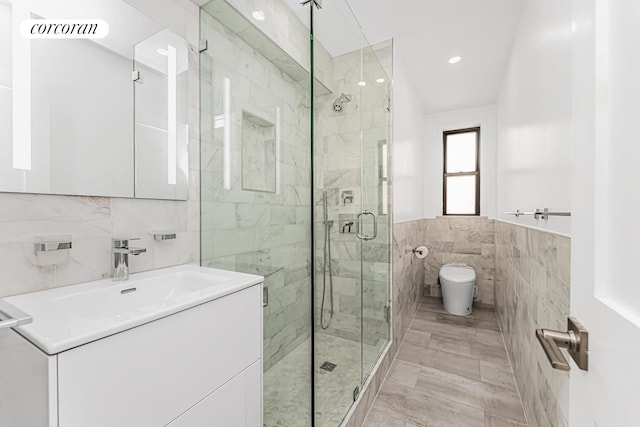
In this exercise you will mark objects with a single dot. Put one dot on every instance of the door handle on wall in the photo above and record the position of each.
(375, 225)
(575, 340)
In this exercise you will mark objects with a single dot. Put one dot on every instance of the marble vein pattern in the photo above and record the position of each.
(292, 35)
(259, 232)
(408, 276)
(532, 291)
(468, 240)
(449, 370)
(288, 383)
(93, 221)
(268, 233)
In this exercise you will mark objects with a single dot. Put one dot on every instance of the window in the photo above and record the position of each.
(461, 182)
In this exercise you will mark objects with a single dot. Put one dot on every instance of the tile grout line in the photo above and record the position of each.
(395, 356)
(487, 411)
(513, 372)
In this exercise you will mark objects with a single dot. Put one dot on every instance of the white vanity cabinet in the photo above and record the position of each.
(194, 368)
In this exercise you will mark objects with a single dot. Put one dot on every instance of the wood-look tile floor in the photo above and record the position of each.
(449, 371)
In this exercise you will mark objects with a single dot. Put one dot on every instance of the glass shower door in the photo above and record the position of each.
(375, 234)
(351, 211)
(256, 192)
(338, 201)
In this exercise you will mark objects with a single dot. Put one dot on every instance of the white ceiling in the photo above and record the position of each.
(427, 33)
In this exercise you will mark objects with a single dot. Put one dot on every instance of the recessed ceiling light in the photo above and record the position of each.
(454, 59)
(362, 83)
(258, 15)
(163, 52)
(380, 80)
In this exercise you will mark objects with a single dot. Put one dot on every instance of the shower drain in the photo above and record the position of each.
(328, 366)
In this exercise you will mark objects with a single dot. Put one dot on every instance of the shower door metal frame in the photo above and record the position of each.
(312, 210)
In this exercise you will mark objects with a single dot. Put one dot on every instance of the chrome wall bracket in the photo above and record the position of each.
(203, 45)
(135, 75)
(317, 3)
(545, 214)
(575, 340)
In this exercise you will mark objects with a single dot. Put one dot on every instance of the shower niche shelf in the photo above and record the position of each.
(259, 138)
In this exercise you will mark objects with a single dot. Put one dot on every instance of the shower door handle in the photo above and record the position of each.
(375, 226)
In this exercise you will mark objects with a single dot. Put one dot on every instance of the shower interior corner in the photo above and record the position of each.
(315, 224)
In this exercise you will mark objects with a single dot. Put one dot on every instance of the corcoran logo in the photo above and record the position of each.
(64, 29)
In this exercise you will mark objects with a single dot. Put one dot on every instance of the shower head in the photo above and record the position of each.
(338, 104)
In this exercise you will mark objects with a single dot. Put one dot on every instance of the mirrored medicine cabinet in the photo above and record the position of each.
(98, 117)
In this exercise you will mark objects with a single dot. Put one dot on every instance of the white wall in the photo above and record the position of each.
(408, 181)
(534, 117)
(434, 125)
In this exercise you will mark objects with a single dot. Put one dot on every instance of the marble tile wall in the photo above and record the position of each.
(290, 33)
(258, 156)
(532, 291)
(260, 232)
(93, 221)
(348, 160)
(468, 240)
(408, 275)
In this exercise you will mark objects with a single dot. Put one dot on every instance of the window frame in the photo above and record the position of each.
(446, 174)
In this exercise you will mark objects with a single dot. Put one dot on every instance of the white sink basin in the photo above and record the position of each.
(67, 317)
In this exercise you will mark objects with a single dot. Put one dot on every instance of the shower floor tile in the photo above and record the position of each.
(286, 383)
(449, 371)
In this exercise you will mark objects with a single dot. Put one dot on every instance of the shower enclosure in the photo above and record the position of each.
(297, 190)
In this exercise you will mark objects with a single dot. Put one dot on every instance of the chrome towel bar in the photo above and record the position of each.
(538, 213)
(11, 316)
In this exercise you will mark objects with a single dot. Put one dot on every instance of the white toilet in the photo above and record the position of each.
(458, 285)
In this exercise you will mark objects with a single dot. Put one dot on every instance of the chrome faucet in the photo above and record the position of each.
(120, 252)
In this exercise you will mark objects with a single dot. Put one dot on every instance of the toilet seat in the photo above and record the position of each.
(458, 273)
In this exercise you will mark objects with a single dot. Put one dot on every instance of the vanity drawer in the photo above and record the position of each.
(237, 403)
(149, 375)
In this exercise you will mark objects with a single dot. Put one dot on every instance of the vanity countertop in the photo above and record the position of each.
(74, 315)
